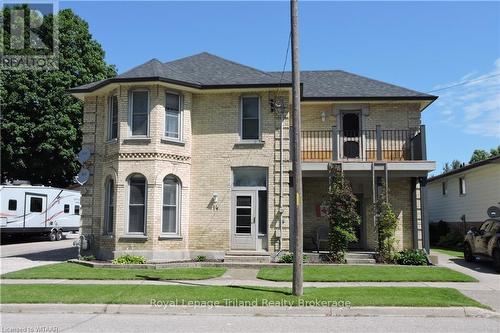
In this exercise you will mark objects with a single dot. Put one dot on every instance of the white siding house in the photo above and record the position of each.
(466, 191)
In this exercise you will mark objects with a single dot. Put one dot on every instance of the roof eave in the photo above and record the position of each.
(495, 159)
(77, 92)
(369, 98)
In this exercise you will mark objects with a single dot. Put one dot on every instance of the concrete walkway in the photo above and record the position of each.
(470, 286)
(488, 291)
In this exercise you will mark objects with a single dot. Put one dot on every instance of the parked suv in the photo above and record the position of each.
(484, 242)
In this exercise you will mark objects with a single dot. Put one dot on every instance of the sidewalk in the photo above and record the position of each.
(472, 286)
(261, 311)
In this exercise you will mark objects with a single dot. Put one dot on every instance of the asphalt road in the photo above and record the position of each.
(199, 323)
(25, 253)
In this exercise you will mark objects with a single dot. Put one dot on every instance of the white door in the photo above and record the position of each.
(244, 224)
(35, 210)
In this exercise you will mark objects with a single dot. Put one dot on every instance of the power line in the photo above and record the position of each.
(284, 63)
(465, 82)
(286, 57)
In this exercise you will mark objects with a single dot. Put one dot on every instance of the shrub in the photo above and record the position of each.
(342, 215)
(87, 258)
(287, 258)
(129, 259)
(437, 230)
(453, 239)
(200, 258)
(411, 257)
(387, 223)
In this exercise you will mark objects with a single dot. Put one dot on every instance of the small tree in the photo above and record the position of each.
(387, 223)
(342, 214)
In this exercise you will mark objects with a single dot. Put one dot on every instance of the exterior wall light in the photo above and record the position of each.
(215, 201)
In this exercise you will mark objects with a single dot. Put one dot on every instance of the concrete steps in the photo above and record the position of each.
(360, 258)
(247, 257)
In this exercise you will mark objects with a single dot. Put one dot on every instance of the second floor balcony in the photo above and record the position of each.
(383, 145)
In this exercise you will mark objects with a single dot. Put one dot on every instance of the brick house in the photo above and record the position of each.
(187, 157)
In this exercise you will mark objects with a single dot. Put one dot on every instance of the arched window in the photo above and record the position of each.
(109, 206)
(171, 205)
(137, 204)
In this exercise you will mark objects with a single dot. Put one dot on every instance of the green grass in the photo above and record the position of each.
(375, 273)
(79, 272)
(216, 295)
(452, 253)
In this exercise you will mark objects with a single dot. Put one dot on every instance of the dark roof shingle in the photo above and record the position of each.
(205, 70)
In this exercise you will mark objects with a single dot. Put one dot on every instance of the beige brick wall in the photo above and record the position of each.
(217, 149)
(203, 162)
(388, 115)
(213, 137)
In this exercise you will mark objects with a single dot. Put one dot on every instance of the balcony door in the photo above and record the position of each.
(351, 134)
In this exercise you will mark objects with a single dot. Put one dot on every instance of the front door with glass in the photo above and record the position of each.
(244, 226)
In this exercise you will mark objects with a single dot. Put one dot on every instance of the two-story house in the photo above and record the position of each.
(190, 157)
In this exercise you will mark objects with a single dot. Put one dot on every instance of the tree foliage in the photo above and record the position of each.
(342, 215)
(479, 155)
(387, 223)
(41, 122)
(455, 164)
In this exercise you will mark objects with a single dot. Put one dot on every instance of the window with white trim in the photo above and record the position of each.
(171, 205)
(461, 185)
(109, 207)
(139, 113)
(173, 118)
(250, 118)
(137, 204)
(112, 117)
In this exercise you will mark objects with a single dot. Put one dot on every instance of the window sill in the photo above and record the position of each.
(172, 142)
(170, 237)
(112, 141)
(108, 236)
(136, 141)
(249, 144)
(134, 237)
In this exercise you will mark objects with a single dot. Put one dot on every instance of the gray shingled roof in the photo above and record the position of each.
(205, 70)
(341, 84)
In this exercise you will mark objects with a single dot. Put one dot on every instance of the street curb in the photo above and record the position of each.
(270, 311)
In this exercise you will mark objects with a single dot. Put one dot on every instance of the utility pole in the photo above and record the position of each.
(298, 278)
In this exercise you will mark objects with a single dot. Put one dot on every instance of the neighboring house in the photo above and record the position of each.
(187, 157)
(465, 194)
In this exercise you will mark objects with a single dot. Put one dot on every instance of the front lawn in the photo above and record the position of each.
(451, 253)
(233, 295)
(375, 273)
(72, 271)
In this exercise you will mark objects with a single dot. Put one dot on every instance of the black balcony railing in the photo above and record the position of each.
(364, 145)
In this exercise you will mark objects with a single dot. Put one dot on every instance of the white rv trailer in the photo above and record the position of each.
(26, 209)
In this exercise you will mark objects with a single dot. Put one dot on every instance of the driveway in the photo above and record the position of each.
(489, 280)
(26, 253)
